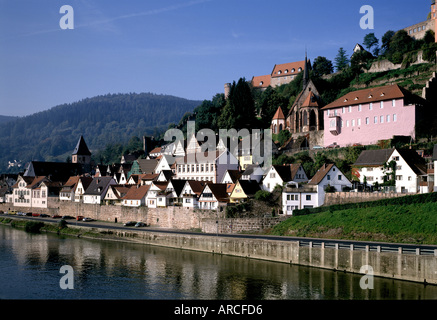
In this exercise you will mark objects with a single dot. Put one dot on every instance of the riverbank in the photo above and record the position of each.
(397, 265)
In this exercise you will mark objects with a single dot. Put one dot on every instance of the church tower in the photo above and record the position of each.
(81, 154)
(278, 121)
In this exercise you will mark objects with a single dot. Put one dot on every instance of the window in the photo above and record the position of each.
(388, 118)
(343, 110)
(359, 107)
(329, 177)
(339, 177)
(381, 119)
(347, 123)
(272, 175)
(353, 122)
(367, 120)
(308, 197)
(393, 103)
(395, 117)
(359, 122)
(381, 105)
(371, 106)
(375, 120)
(350, 109)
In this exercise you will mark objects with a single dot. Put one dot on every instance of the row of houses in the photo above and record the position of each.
(208, 183)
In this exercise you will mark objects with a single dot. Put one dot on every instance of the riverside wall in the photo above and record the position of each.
(332, 198)
(397, 265)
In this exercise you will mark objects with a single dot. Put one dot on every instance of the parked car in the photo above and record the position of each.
(79, 218)
(20, 213)
(12, 212)
(35, 214)
(130, 223)
(67, 217)
(140, 224)
(43, 215)
(56, 216)
(28, 214)
(87, 219)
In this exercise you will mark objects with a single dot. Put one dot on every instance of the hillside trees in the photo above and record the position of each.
(341, 60)
(239, 110)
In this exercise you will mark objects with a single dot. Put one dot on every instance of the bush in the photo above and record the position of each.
(262, 195)
(33, 226)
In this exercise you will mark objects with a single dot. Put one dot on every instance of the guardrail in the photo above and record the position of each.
(395, 248)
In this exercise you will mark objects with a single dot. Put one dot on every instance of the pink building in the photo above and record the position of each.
(366, 116)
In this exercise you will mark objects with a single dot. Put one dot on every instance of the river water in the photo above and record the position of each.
(30, 267)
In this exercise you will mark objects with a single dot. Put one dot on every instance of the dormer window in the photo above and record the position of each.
(261, 83)
(300, 69)
(293, 70)
(286, 71)
(370, 96)
(279, 72)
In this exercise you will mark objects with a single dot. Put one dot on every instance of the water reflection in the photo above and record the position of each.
(30, 264)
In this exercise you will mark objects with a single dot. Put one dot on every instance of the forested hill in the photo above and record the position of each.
(113, 118)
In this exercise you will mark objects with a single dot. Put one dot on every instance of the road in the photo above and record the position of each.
(314, 242)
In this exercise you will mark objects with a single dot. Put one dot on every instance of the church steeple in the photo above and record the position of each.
(306, 75)
(81, 154)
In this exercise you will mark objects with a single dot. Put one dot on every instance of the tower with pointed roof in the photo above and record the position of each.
(81, 154)
(278, 121)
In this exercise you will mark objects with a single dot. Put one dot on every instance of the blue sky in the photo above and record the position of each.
(186, 48)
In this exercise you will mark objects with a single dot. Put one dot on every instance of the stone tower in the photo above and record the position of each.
(278, 121)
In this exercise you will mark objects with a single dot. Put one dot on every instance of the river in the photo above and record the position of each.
(30, 267)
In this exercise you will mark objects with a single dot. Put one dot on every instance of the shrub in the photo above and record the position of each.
(262, 195)
(33, 226)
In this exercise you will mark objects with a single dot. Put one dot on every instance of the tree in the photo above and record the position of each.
(370, 41)
(322, 66)
(386, 38)
(239, 111)
(341, 60)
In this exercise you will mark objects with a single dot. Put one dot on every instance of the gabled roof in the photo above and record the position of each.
(414, 160)
(384, 93)
(286, 69)
(196, 186)
(178, 185)
(279, 115)
(373, 157)
(250, 187)
(310, 101)
(98, 185)
(287, 172)
(320, 174)
(234, 175)
(148, 165)
(136, 193)
(81, 148)
(261, 81)
(219, 190)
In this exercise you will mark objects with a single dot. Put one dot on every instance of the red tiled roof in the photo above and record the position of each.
(261, 81)
(136, 193)
(388, 92)
(279, 114)
(310, 101)
(281, 70)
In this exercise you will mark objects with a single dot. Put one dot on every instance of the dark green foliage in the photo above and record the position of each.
(322, 66)
(33, 226)
(262, 195)
(114, 118)
(341, 60)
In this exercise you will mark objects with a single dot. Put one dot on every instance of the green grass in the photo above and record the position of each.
(412, 223)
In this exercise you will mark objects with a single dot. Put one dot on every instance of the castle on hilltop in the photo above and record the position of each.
(418, 30)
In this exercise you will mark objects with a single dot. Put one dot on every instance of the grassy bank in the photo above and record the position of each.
(413, 223)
